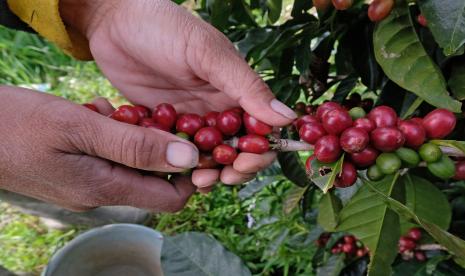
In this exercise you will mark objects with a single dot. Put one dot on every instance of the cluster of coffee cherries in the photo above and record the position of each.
(379, 141)
(408, 245)
(348, 245)
(209, 132)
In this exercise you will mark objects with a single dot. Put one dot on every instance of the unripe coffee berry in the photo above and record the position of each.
(365, 124)
(224, 154)
(126, 114)
(365, 158)
(254, 126)
(414, 133)
(387, 139)
(207, 138)
(327, 149)
(459, 170)
(430, 152)
(165, 114)
(388, 163)
(354, 140)
(229, 122)
(189, 124)
(357, 113)
(374, 173)
(210, 118)
(253, 143)
(439, 123)
(336, 121)
(347, 176)
(325, 107)
(383, 116)
(311, 132)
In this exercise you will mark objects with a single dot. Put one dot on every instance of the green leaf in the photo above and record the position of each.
(199, 254)
(293, 197)
(457, 81)
(292, 166)
(345, 86)
(255, 186)
(404, 60)
(332, 267)
(459, 146)
(371, 221)
(274, 9)
(323, 175)
(406, 112)
(219, 12)
(453, 244)
(446, 20)
(328, 211)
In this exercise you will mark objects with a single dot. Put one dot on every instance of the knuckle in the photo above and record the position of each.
(138, 150)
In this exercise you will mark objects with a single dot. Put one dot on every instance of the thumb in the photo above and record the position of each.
(137, 147)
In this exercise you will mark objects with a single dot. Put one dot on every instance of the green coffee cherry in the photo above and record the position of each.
(388, 162)
(374, 173)
(409, 157)
(183, 135)
(444, 168)
(430, 152)
(357, 112)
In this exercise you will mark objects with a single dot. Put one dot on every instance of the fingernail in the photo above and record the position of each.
(182, 155)
(282, 109)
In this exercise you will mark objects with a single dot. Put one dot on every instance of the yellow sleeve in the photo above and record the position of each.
(44, 17)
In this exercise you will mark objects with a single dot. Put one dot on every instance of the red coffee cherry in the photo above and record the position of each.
(254, 144)
(439, 123)
(321, 5)
(459, 170)
(210, 118)
(342, 4)
(143, 111)
(420, 256)
(414, 133)
(126, 114)
(305, 119)
(325, 107)
(336, 121)
(254, 126)
(365, 158)
(207, 138)
(308, 164)
(309, 109)
(335, 250)
(347, 177)
(360, 253)
(237, 110)
(189, 124)
(165, 114)
(146, 122)
(383, 116)
(229, 122)
(365, 124)
(348, 248)
(414, 234)
(422, 20)
(349, 239)
(206, 161)
(354, 140)
(407, 243)
(327, 149)
(380, 9)
(416, 120)
(387, 139)
(224, 154)
(311, 132)
(299, 108)
(91, 107)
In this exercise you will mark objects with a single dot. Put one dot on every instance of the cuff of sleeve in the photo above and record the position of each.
(44, 17)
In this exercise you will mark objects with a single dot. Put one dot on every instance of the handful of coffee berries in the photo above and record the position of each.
(348, 245)
(408, 245)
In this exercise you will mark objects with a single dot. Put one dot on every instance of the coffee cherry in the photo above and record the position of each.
(210, 118)
(444, 168)
(308, 164)
(335, 250)
(91, 107)
(183, 135)
(380, 9)
(354, 140)
(414, 133)
(409, 157)
(311, 132)
(430, 152)
(300, 108)
(206, 161)
(348, 248)
(305, 119)
(254, 144)
(349, 239)
(336, 121)
(150, 123)
(229, 122)
(254, 126)
(347, 177)
(325, 107)
(439, 123)
(208, 138)
(126, 114)
(388, 163)
(459, 170)
(310, 109)
(414, 234)
(407, 243)
(237, 110)
(356, 113)
(224, 154)
(383, 116)
(374, 173)
(365, 158)
(165, 114)
(387, 139)
(367, 104)
(360, 252)
(365, 123)
(189, 124)
(143, 111)
(327, 149)
(420, 256)
(342, 4)
(422, 20)
(321, 5)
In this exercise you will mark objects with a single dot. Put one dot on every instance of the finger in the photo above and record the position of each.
(103, 105)
(205, 190)
(205, 177)
(252, 163)
(229, 176)
(133, 146)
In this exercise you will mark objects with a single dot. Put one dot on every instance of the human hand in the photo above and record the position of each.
(66, 154)
(155, 51)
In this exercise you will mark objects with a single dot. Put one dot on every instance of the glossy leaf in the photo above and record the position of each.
(199, 254)
(332, 267)
(404, 60)
(345, 86)
(370, 220)
(328, 211)
(293, 197)
(324, 175)
(457, 81)
(274, 9)
(457, 145)
(446, 20)
(218, 9)
(255, 186)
